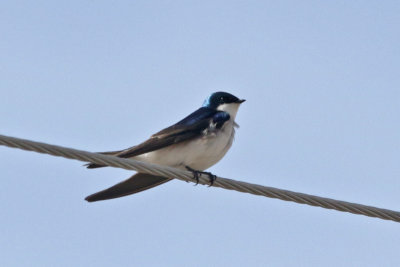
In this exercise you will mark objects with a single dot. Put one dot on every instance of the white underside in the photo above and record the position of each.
(200, 153)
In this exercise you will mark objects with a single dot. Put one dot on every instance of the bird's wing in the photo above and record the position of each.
(136, 183)
(190, 127)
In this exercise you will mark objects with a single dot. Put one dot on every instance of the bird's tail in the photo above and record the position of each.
(136, 183)
(94, 165)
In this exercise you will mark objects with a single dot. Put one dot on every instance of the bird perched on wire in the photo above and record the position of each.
(195, 143)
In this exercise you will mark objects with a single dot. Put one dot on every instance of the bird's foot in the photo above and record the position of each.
(196, 174)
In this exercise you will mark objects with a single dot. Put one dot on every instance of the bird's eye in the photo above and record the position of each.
(222, 99)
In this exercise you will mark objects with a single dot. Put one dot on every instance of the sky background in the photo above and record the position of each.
(322, 84)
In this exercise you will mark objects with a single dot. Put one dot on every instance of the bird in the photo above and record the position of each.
(194, 143)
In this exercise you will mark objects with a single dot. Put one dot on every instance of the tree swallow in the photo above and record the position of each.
(195, 143)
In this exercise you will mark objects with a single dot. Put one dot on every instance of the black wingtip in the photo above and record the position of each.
(91, 199)
(98, 196)
(137, 183)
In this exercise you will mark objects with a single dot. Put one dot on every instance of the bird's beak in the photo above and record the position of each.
(240, 101)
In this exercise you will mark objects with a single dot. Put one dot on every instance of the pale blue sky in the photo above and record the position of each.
(321, 79)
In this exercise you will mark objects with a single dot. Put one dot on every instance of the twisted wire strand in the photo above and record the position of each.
(187, 176)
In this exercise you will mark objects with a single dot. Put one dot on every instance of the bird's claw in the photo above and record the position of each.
(196, 174)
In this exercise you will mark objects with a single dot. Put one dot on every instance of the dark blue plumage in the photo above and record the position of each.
(220, 118)
(200, 114)
(218, 98)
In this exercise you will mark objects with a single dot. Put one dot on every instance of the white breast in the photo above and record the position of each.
(200, 153)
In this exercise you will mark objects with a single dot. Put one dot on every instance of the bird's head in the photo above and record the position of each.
(224, 102)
